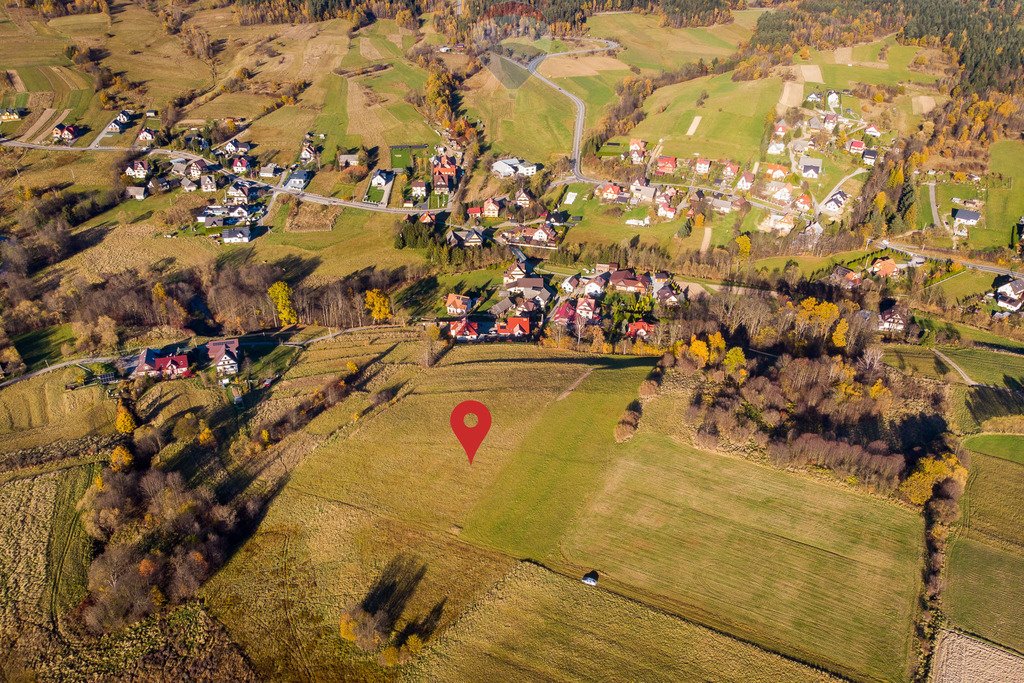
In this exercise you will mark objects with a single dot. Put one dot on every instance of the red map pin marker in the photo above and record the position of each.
(471, 437)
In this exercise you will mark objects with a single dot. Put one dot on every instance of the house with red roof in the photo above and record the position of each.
(240, 165)
(609, 192)
(702, 166)
(776, 171)
(564, 314)
(152, 364)
(730, 169)
(855, 146)
(513, 327)
(666, 165)
(463, 330)
(640, 329)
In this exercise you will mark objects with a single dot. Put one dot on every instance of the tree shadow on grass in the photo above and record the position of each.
(391, 592)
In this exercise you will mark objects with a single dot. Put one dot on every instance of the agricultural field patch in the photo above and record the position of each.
(959, 658)
(732, 117)
(987, 550)
(1006, 446)
(652, 47)
(1006, 203)
(39, 410)
(526, 120)
(537, 624)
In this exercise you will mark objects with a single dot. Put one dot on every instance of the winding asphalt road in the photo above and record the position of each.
(581, 107)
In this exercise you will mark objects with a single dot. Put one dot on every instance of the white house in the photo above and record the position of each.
(835, 203)
(1011, 295)
(776, 147)
(965, 217)
(235, 235)
(810, 167)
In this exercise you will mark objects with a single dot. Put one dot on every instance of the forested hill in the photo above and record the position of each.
(987, 38)
(571, 14)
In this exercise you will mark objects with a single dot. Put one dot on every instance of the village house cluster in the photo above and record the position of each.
(223, 356)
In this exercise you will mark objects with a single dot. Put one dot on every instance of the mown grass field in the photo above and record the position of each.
(538, 625)
(964, 284)
(650, 46)
(989, 367)
(39, 411)
(521, 115)
(816, 572)
(732, 118)
(985, 595)
(1006, 204)
(1006, 446)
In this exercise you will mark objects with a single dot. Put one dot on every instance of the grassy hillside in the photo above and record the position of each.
(536, 625)
(811, 570)
(732, 119)
(650, 46)
(521, 115)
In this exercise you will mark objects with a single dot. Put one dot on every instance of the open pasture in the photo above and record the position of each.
(732, 118)
(985, 595)
(592, 79)
(537, 625)
(521, 115)
(1005, 206)
(652, 47)
(550, 484)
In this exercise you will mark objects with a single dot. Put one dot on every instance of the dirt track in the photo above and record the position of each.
(39, 123)
(45, 135)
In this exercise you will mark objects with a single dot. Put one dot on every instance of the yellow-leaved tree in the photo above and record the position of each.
(699, 351)
(917, 488)
(839, 333)
(280, 294)
(124, 423)
(120, 458)
(736, 362)
(379, 305)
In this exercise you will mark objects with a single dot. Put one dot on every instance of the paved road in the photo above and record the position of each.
(581, 107)
(57, 366)
(924, 253)
(276, 189)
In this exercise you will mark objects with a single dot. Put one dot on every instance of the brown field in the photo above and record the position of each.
(19, 86)
(923, 104)
(587, 65)
(810, 73)
(843, 55)
(38, 411)
(364, 118)
(960, 658)
(792, 95)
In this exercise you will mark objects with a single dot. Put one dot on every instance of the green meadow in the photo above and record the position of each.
(819, 573)
(732, 117)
